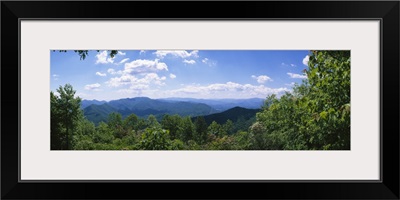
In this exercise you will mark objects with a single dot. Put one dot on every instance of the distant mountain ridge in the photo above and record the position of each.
(224, 104)
(233, 114)
(218, 104)
(143, 107)
(97, 113)
(85, 103)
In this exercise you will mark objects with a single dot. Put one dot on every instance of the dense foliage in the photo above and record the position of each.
(65, 116)
(314, 116)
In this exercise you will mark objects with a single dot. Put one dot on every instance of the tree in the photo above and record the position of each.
(103, 134)
(214, 128)
(187, 129)
(155, 138)
(66, 111)
(82, 139)
(84, 53)
(152, 122)
(329, 99)
(58, 137)
(115, 123)
(172, 123)
(242, 124)
(177, 145)
(276, 123)
(131, 123)
(228, 127)
(258, 130)
(84, 143)
(85, 127)
(243, 140)
(200, 130)
(223, 143)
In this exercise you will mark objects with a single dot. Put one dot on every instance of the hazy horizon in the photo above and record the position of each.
(174, 98)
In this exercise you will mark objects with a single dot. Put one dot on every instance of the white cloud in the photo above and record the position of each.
(209, 62)
(305, 60)
(180, 54)
(101, 74)
(172, 76)
(296, 75)
(55, 77)
(102, 57)
(121, 53)
(190, 62)
(144, 66)
(225, 90)
(154, 78)
(123, 60)
(138, 75)
(261, 79)
(133, 81)
(214, 91)
(142, 52)
(291, 64)
(94, 87)
(122, 80)
(111, 71)
(290, 84)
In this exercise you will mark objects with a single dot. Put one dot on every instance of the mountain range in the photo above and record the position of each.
(97, 111)
(223, 104)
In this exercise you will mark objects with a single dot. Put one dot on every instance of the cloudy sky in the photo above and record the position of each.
(185, 73)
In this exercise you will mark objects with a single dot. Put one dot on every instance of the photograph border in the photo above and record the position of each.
(265, 171)
(387, 187)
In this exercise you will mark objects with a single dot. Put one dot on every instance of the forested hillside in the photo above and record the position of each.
(314, 116)
(144, 107)
(233, 114)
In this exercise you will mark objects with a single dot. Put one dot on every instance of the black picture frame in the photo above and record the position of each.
(386, 11)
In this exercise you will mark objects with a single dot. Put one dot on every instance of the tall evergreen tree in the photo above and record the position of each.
(201, 130)
(66, 112)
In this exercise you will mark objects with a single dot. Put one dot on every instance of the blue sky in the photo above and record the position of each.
(212, 74)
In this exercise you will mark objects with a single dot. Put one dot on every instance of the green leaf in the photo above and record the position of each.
(323, 114)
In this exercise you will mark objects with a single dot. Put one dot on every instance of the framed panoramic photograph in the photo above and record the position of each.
(113, 98)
